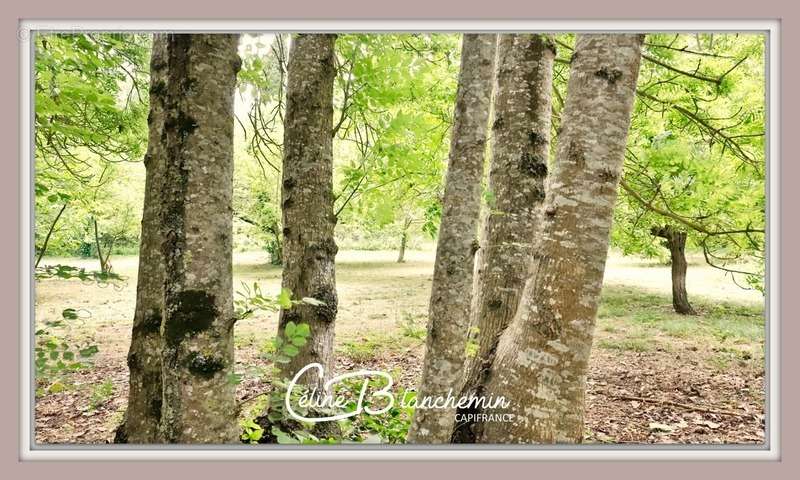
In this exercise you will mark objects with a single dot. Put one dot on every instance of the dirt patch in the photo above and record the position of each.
(663, 390)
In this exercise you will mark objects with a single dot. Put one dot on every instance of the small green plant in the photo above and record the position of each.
(360, 351)
(283, 427)
(101, 393)
(411, 328)
(251, 431)
(471, 348)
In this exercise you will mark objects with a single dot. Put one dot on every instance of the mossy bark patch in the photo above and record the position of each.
(195, 311)
(205, 365)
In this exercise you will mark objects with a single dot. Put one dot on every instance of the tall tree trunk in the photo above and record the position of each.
(675, 241)
(541, 362)
(520, 148)
(144, 356)
(448, 313)
(309, 249)
(199, 398)
(401, 255)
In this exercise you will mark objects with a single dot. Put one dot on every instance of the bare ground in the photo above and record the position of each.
(655, 377)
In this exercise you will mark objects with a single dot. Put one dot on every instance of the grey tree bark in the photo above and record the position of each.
(675, 241)
(448, 313)
(309, 249)
(144, 356)
(520, 149)
(196, 216)
(541, 361)
(401, 254)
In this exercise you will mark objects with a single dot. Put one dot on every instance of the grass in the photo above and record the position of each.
(634, 320)
(383, 308)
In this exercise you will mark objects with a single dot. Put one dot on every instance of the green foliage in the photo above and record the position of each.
(695, 158)
(412, 328)
(251, 300)
(251, 431)
(397, 95)
(55, 357)
(101, 393)
(67, 272)
(284, 428)
(90, 121)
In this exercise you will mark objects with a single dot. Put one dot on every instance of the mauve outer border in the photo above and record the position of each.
(408, 9)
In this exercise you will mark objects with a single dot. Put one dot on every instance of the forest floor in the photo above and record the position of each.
(655, 377)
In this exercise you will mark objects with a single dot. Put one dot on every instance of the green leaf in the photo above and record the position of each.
(285, 299)
(289, 329)
(89, 351)
(290, 350)
(303, 330)
(56, 387)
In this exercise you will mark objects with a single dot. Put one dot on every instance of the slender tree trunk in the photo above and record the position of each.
(520, 148)
(448, 316)
(43, 250)
(541, 362)
(675, 241)
(309, 249)
(144, 356)
(401, 255)
(198, 398)
(99, 247)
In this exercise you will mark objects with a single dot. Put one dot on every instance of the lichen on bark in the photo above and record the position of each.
(519, 163)
(309, 248)
(542, 358)
(448, 312)
(141, 422)
(196, 216)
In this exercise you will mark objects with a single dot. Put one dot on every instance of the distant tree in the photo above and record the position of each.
(699, 118)
(91, 109)
(394, 97)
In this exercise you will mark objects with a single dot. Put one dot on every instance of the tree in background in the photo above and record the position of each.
(262, 83)
(394, 101)
(699, 118)
(90, 121)
(309, 249)
(448, 317)
(196, 216)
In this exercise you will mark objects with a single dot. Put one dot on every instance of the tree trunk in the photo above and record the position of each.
(198, 398)
(105, 266)
(401, 255)
(541, 362)
(452, 275)
(520, 148)
(43, 250)
(675, 241)
(309, 249)
(144, 356)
